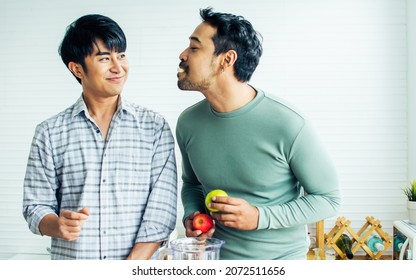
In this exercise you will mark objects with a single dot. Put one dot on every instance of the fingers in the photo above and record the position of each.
(70, 223)
(237, 213)
(70, 215)
(69, 229)
(189, 232)
(70, 236)
(224, 218)
(207, 234)
(225, 203)
(225, 199)
(85, 211)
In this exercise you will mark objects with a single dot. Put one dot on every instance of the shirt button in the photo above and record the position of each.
(103, 180)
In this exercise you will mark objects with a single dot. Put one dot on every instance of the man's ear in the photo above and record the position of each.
(76, 69)
(229, 58)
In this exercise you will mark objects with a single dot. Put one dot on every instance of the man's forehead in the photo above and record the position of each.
(203, 33)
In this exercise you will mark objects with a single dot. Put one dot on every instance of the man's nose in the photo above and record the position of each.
(183, 56)
(116, 66)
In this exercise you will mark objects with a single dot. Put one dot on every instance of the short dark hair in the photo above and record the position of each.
(82, 34)
(235, 33)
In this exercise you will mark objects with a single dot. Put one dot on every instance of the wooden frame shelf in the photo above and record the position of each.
(359, 239)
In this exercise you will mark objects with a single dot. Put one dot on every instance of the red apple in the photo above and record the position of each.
(202, 222)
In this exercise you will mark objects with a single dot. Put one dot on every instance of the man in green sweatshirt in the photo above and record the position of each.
(258, 149)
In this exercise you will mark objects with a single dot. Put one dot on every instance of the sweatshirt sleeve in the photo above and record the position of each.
(191, 193)
(316, 173)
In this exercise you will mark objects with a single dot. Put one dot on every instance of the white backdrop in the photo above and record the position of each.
(342, 62)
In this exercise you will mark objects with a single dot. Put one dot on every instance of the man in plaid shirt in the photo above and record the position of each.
(101, 175)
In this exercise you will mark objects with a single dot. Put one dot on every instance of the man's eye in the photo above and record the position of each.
(104, 59)
(122, 56)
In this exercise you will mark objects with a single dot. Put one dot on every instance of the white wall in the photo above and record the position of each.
(343, 62)
(411, 88)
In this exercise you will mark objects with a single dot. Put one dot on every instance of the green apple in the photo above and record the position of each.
(208, 198)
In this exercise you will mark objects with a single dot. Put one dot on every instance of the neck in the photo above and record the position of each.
(231, 97)
(100, 108)
(102, 111)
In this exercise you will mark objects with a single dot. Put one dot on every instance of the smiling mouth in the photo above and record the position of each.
(181, 70)
(115, 79)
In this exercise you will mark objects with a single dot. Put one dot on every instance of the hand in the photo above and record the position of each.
(189, 232)
(235, 212)
(70, 223)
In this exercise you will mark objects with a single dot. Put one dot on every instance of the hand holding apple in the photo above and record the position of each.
(189, 229)
(202, 222)
(210, 195)
(236, 213)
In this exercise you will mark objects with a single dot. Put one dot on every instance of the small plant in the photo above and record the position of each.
(410, 191)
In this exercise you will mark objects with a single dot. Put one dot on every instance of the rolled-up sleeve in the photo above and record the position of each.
(159, 219)
(40, 184)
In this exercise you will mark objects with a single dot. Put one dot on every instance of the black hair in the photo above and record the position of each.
(82, 35)
(235, 33)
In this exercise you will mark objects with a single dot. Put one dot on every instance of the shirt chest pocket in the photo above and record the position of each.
(131, 167)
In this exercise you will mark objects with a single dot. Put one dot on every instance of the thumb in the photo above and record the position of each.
(84, 211)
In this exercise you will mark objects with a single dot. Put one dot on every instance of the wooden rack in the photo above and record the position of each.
(358, 239)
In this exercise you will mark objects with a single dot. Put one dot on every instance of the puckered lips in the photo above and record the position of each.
(182, 68)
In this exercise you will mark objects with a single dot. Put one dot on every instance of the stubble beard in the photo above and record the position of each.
(187, 84)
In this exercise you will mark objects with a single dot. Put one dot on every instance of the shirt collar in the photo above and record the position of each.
(123, 105)
(79, 107)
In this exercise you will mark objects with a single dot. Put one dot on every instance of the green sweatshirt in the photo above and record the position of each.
(268, 154)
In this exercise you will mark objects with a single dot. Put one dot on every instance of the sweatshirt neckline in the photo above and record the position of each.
(246, 108)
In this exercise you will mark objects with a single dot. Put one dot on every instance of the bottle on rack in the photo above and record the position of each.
(344, 243)
(398, 241)
(375, 243)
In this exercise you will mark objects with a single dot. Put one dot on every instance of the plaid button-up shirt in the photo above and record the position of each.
(128, 181)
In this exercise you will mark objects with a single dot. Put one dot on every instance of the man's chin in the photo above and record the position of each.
(182, 86)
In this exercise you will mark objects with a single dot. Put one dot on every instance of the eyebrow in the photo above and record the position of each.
(196, 39)
(102, 53)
